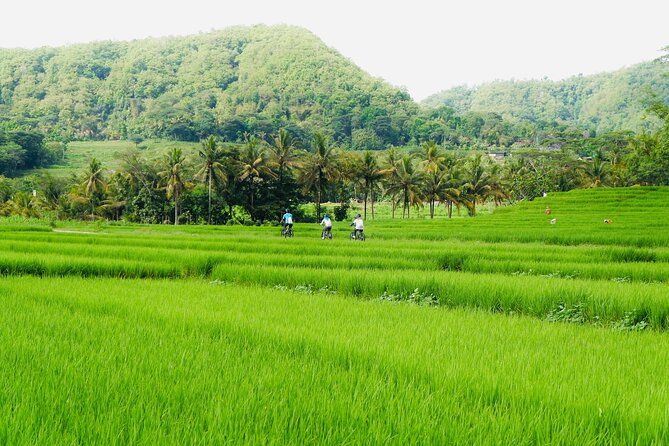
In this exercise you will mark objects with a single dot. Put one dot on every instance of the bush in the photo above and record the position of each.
(341, 212)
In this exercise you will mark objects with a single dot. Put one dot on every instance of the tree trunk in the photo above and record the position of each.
(372, 205)
(320, 191)
(176, 208)
(405, 207)
(209, 219)
(365, 212)
(392, 205)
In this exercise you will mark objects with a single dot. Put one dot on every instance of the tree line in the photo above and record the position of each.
(256, 180)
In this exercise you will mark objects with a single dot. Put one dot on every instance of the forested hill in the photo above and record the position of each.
(242, 79)
(603, 102)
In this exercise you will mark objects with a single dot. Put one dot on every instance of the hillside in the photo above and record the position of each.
(242, 79)
(603, 102)
(261, 78)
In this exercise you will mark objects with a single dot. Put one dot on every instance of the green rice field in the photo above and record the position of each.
(498, 329)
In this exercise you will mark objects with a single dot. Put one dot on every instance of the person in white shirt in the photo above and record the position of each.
(327, 227)
(359, 227)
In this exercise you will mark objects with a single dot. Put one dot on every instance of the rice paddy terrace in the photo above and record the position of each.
(488, 330)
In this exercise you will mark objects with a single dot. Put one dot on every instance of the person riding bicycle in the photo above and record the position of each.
(359, 227)
(287, 220)
(327, 227)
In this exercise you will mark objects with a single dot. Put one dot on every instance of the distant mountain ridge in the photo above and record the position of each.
(602, 102)
(240, 79)
(260, 78)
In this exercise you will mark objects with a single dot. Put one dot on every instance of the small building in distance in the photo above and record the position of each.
(498, 156)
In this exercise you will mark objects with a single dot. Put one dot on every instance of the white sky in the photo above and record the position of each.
(423, 45)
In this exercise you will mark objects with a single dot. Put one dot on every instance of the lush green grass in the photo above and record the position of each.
(117, 362)
(429, 332)
(609, 282)
(79, 154)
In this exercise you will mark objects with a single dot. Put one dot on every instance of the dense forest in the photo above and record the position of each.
(601, 103)
(259, 79)
(246, 79)
(283, 120)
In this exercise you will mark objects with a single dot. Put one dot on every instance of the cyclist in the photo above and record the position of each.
(287, 221)
(327, 227)
(359, 227)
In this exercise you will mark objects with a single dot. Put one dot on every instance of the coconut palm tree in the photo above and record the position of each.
(477, 184)
(393, 160)
(407, 182)
(23, 204)
(370, 175)
(452, 194)
(596, 172)
(438, 187)
(254, 166)
(284, 158)
(211, 168)
(173, 166)
(93, 184)
(432, 160)
(318, 168)
(115, 191)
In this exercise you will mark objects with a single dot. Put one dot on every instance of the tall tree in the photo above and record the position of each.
(93, 183)
(432, 160)
(173, 165)
(211, 168)
(370, 175)
(437, 186)
(407, 180)
(254, 166)
(284, 157)
(477, 184)
(392, 162)
(318, 168)
(596, 172)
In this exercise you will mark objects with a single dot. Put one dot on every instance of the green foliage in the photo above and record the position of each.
(226, 83)
(341, 212)
(602, 102)
(649, 158)
(20, 149)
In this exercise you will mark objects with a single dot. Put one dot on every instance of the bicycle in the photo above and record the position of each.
(287, 232)
(326, 234)
(360, 236)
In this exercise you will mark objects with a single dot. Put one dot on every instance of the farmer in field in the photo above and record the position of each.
(358, 226)
(548, 210)
(327, 227)
(287, 220)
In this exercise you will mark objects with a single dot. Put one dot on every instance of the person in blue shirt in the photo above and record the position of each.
(287, 220)
(327, 227)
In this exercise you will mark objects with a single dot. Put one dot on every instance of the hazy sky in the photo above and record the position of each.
(425, 46)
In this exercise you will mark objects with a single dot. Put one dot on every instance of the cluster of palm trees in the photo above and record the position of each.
(264, 176)
(278, 171)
